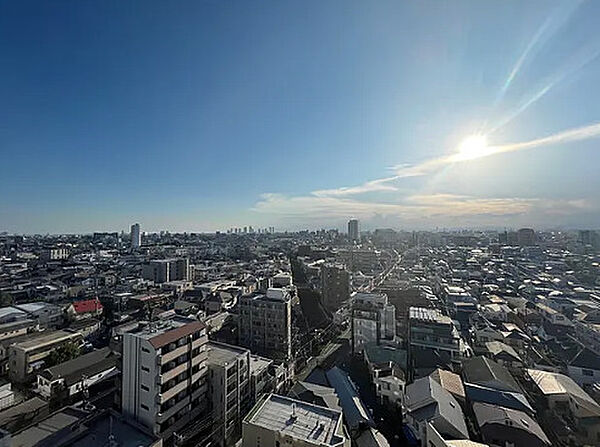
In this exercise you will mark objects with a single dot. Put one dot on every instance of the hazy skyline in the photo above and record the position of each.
(215, 114)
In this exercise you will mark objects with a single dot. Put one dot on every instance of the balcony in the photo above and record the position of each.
(199, 341)
(173, 391)
(199, 374)
(201, 357)
(164, 378)
(200, 391)
(166, 358)
(163, 416)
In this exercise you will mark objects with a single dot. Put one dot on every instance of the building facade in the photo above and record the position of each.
(265, 323)
(335, 285)
(136, 236)
(165, 374)
(373, 320)
(229, 386)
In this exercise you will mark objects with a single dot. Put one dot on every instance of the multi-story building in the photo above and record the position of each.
(55, 254)
(229, 385)
(265, 323)
(26, 356)
(164, 374)
(526, 237)
(136, 236)
(433, 339)
(282, 421)
(353, 233)
(166, 270)
(373, 320)
(335, 285)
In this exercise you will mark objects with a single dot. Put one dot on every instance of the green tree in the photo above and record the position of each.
(63, 354)
(6, 299)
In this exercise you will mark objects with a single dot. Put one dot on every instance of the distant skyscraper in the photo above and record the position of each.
(353, 229)
(526, 237)
(136, 236)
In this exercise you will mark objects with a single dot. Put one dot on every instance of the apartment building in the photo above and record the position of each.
(373, 320)
(164, 374)
(229, 387)
(277, 421)
(433, 339)
(26, 356)
(335, 285)
(265, 323)
(166, 270)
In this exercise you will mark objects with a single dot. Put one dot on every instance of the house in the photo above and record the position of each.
(451, 382)
(488, 373)
(434, 439)
(427, 402)
(71, 377)
(584, 368)
(504, 354)
(564, 397)
(79, 310)
(506, 427)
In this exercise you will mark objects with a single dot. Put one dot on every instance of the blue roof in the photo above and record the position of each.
(516, 401)
(355, 412)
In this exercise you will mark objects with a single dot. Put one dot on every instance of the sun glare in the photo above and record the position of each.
(472, 147)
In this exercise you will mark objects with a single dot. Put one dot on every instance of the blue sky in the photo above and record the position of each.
(203, 115)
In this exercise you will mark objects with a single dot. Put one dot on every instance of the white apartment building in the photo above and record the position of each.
(278, 421)
(373, 320)
(229, 386)
(164, 377)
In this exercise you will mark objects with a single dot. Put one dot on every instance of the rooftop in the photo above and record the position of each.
(163, 332)
(46, 338)
(297, 419)
(223, 354)
(558, 384)
(428, 315)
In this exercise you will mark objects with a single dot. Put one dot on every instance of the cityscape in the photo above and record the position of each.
(332, 223)
(354, 337)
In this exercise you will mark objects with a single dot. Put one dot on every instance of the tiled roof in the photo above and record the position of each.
(82, 307)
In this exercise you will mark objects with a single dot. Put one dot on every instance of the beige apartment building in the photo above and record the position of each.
(26, 356)
(164, 375)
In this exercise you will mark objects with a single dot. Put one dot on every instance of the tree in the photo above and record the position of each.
(6, 299)
(62, 354)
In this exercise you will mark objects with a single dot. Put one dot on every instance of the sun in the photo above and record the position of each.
(472, 147)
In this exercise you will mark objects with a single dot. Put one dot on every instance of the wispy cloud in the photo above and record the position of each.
(419, 207)
(381, 184)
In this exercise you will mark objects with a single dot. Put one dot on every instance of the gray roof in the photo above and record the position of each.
(483, 371)
(316, 394)
(299, 420)
(379, 354)
(516, 401)
(494, 414)
(88, 364)
(426, 400)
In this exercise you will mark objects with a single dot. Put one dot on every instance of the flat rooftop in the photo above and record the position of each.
(46, 338)
(300, 420)
(428, 315)
(163, 332)
(223, 354)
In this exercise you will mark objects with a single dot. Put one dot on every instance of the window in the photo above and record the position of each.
(145, 407)
(146, 350)
(145, 369)
(587, 372)
(145, 388)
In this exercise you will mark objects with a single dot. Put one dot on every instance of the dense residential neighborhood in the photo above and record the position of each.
(383, 338)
